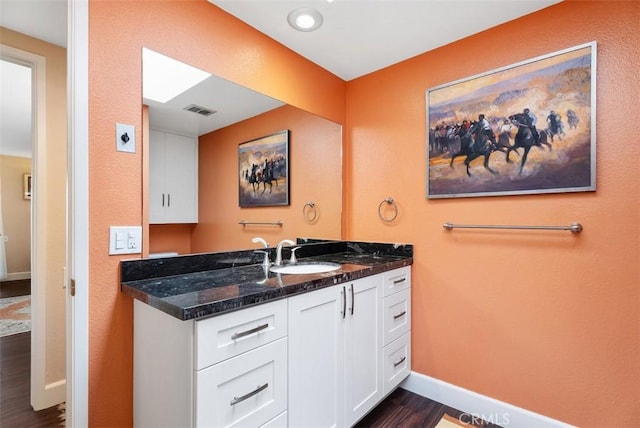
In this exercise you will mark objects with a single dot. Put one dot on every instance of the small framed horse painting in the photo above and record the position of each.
(263, 171)
(521, 129)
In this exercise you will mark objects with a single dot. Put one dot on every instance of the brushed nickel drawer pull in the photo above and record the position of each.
(353, 302)
(248, 332)
(402, 360)
(344, 302)
(399, 281)
(400, 315)
(259, 389)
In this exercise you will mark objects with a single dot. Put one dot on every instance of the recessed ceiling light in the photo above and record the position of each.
(305, 19)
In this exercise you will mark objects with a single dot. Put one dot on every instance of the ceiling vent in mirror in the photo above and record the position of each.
(200, 110)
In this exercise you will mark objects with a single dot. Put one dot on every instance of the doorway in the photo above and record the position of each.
(47, 227)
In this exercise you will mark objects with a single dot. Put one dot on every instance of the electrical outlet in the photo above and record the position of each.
(125, 240)
(125, 138)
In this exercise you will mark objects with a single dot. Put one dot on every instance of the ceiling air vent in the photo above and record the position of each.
(199, 110)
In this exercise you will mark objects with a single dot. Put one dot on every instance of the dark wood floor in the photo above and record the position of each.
(15, 375)
(401, 409)
(404, 409)
(21, 287)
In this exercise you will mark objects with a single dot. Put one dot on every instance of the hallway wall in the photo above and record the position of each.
(15, 215)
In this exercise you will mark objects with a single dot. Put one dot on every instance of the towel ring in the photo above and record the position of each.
(389, 201)
(310, 214)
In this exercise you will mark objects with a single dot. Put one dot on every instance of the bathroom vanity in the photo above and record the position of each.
(220, 340)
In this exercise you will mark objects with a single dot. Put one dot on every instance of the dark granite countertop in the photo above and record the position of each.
(205, 285)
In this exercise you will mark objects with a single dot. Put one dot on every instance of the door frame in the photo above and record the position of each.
(77, 271)
(43, 395)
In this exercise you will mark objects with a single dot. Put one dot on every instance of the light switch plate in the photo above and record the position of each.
(125, 240)
(125, 138)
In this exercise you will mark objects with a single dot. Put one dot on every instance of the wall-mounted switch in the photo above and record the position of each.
(125, 240)
(125, 138)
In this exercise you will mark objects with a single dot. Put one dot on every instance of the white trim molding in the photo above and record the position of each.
(41, 396)
(16, 276)
(77, 269)
(476, 405)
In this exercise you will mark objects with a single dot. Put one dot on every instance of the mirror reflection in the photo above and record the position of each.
(196, 121)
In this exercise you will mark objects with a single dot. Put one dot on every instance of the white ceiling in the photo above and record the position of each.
(357, 37)
(43, 19)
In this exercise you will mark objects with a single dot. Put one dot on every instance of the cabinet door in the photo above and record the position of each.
(316, 358)
(173, 178)
(363, 343)
(181, 182)
(156, 177)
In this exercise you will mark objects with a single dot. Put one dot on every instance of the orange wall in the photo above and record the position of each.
(547, 321)
(315, 174)
(197, 33)
(170, 237)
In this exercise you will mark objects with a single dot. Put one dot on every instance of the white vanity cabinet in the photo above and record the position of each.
(225, 371)
(396, 310)
(324, 358)
(335, 343)
(173, 178)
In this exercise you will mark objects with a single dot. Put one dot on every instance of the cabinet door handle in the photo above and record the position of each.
(402, 360)
(353, 300)
(259, 389)
(248, 332)
(399, 281)
(163, 199)
(168, 199)
(344, 302)
(400, 315)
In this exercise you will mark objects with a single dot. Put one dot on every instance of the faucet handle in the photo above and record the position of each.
(293, 259)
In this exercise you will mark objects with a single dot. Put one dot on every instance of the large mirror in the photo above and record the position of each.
(183, 105)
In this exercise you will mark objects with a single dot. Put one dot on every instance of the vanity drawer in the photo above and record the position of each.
(397, 280)
(228, 335)
(396, 315)
(397, 362)
(279, 421)
(245, 391)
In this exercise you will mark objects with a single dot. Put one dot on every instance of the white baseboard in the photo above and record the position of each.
(476, 405)
(54, 393)
(15, 276)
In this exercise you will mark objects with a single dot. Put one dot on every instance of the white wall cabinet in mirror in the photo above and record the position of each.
(173, 178)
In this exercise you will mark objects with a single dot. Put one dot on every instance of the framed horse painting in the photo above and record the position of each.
(263, 171)
(521, 129)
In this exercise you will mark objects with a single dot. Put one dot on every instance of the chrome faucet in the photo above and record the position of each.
(279, 250)
(257, 239)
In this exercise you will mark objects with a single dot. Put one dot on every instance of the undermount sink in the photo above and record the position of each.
(308, 268)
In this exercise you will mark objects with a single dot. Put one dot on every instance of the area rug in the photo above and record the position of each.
(448, 421)
(15, 315)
